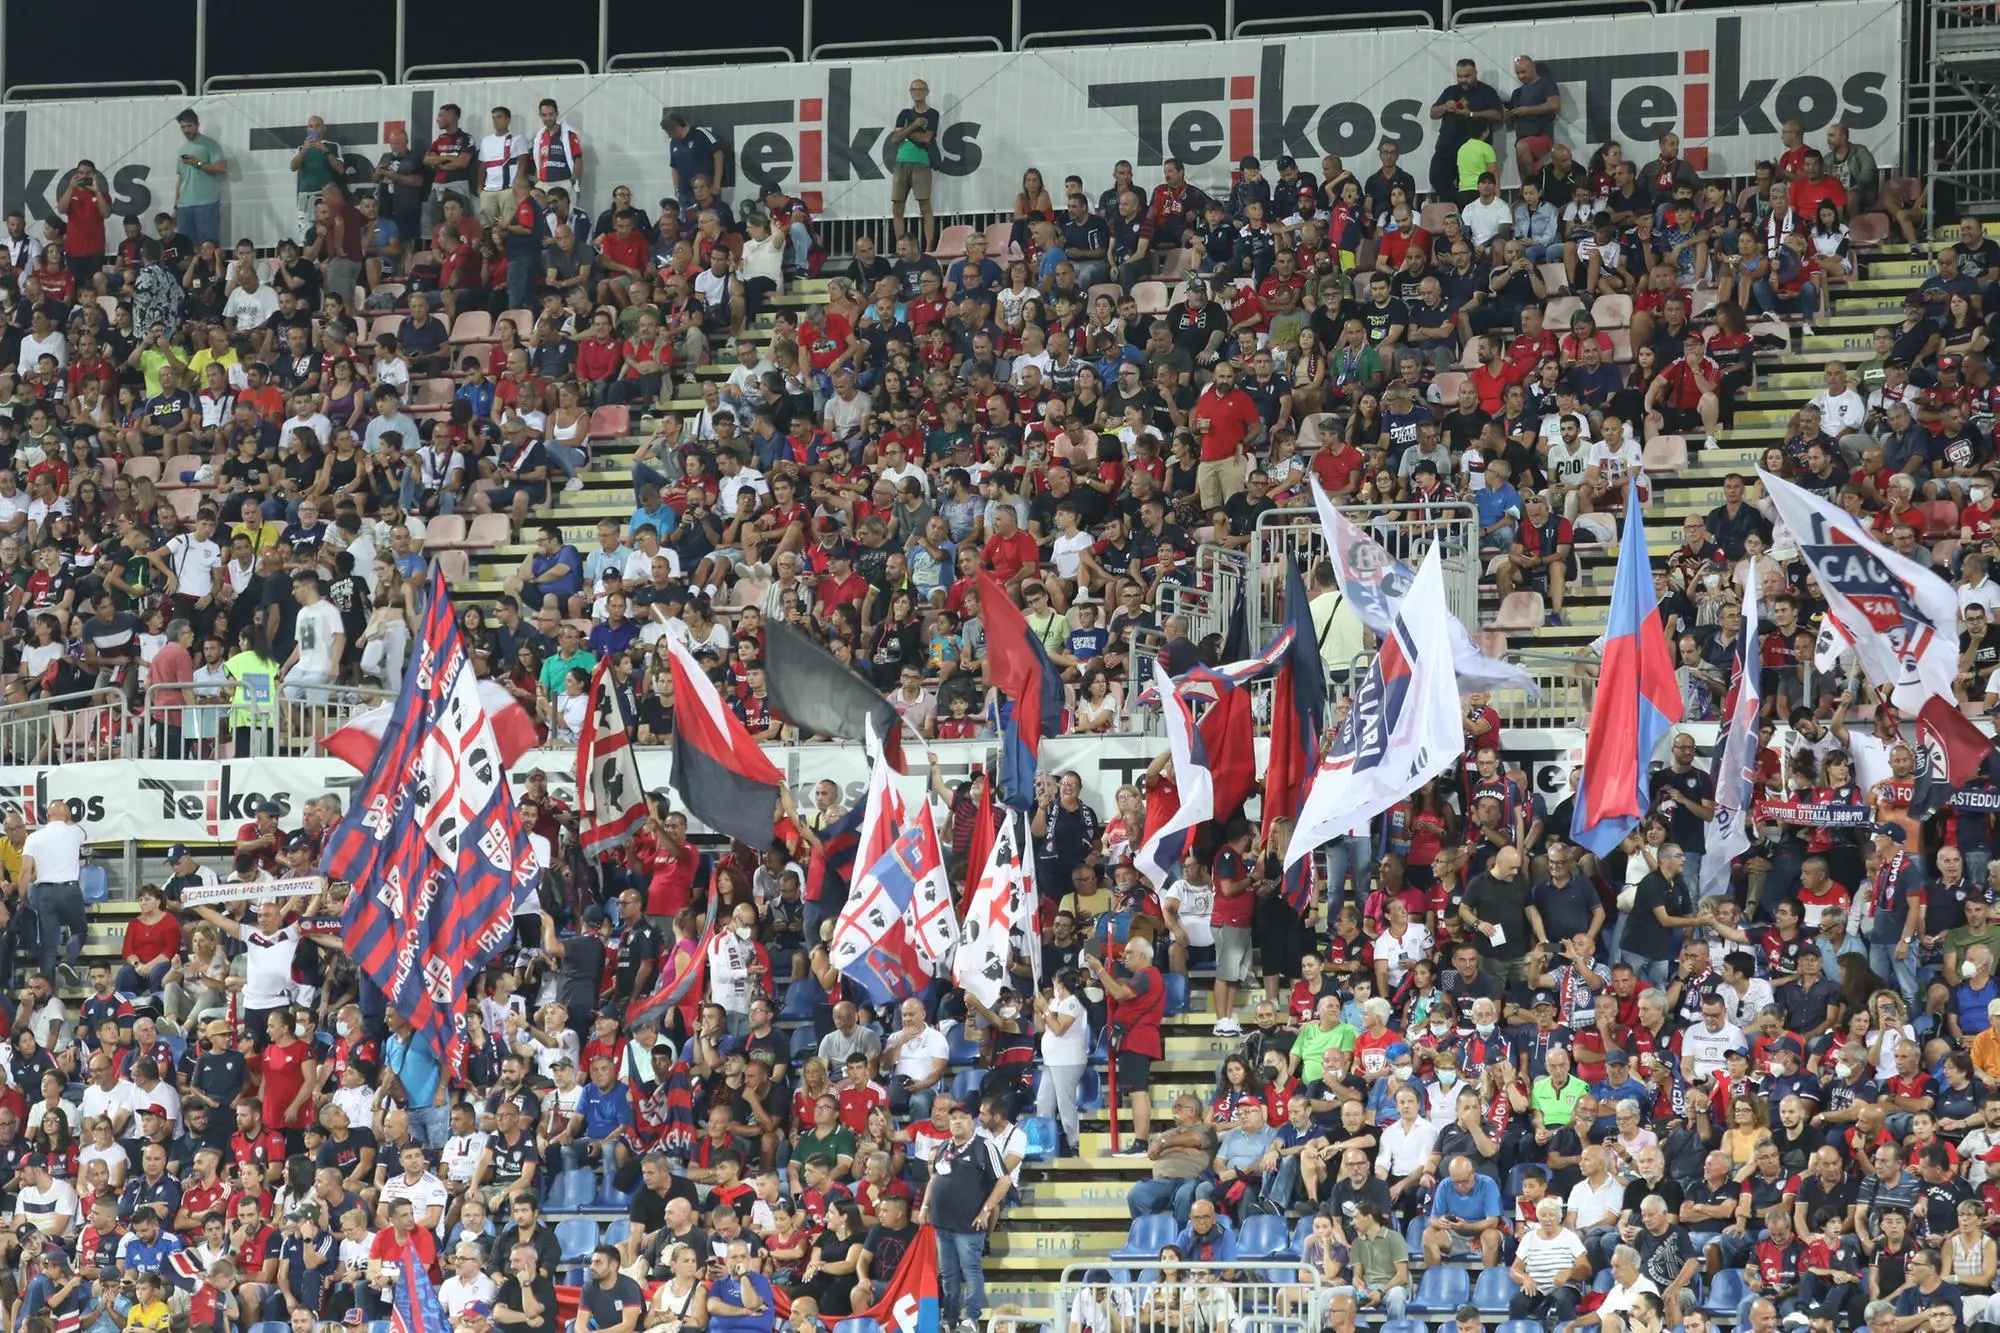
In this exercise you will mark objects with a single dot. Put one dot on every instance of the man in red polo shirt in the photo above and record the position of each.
(1816, 187)
(1225, 419)
(84, 204)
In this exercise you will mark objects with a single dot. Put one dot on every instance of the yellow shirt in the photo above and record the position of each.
(1475, 157)
(154, 1318)
(198, 367)
(10, 861)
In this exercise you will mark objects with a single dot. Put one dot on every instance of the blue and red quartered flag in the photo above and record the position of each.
(1298, 720)
(1638, 702)
(832, 867)
(433, 844)
(415, 1307)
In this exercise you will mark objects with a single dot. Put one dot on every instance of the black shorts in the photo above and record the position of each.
(1134, 1072)
(1679, 420)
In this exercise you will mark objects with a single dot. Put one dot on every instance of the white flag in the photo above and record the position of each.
(930, 922)
(1735, 763)
(1161, 855)
(996, 905)
(1403, 729)
(1902, 618)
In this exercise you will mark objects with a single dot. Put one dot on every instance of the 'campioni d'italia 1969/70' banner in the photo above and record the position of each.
(1725, 80)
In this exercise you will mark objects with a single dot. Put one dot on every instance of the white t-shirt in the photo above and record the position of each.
(1566, 465)
(51, 1208)
(1066, 552)
(1197, 907)
(267, 981)
(318, 625)
(1407, 1149)
(120, 1096)
(498, 158)
(915, 1057)
(57, 850)
(1595, 1204)
(462, 1153)
(194, 563)
(248, 310)
(1841, 412)
(455, 1293)
(1709, 1050)
(1398, 954)
(1071, 1048)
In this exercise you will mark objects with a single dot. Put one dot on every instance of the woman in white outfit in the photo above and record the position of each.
(1065, 1030)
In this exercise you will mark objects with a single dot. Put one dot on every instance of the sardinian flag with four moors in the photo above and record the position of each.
(432, 843)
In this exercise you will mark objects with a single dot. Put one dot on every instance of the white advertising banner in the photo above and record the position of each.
(1725, 80)
(203, 804)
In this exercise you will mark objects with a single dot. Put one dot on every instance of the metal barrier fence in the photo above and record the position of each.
(1405, 531)
(1209, 603)
(65, 728)
(240, 720)
(1958, 102)
(1275, 1296)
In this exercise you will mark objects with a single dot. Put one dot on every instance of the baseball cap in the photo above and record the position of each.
(1249, 163)
(268, 808)
(1893, 832)
(34, 1161)
(353, 1316)
(593, 916)
(297, 841)
(1543, 997)
(155, 1109)
(1243, 1104)
(177, 853)
(1615, 1056)
(477, 1310)
(1797, 1319)
(1947, 363)
(1788, 1045)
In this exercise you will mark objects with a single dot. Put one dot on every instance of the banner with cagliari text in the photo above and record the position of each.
(1726, 80)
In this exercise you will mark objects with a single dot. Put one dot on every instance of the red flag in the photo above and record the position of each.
(980, 850)
(1226, 732)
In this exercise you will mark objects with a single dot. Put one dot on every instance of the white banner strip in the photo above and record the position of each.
(230, 891)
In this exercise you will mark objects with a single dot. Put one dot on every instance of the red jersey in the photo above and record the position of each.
(1008, 556)
(264, 1149)
(1231, 417)
(283, 1069)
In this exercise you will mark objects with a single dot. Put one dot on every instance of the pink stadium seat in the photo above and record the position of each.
(1621, 346)
(186, 503)
(1940, 518)
(472, 326)
(1554, 277)
(455, 565)
(611, 422)
(149, 468)
(1151, 296)
(951, 243)
(1560, 311)
(1868, 231)
(488, 531)
(998, 234)
(1447, 384)
(445, 531)
(178, 472)
(1521, 611)
(1902, 189)
(1665, 454)
(1431, 219)
(1612, 312)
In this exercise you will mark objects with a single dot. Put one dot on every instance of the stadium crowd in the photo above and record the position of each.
(227, 468)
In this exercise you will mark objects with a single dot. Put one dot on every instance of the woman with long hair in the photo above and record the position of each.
(1063, 1020)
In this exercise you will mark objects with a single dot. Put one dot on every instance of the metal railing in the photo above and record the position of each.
(1405, 531)
(240, 720)
(1957, 102)
(229, 83)
(65, 728)
(1286, 1297)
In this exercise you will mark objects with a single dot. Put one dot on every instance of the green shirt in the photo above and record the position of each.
(908, 149)
(1475, 157)
(558, 667)
(198, 186)
(316, 169)
(1376, 1257)
(838, 1144)
(1312, 1045)
(1557, 1108)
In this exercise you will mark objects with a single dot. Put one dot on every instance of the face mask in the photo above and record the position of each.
(1447, 1077)
(1441, 1028)
(1483, 1029)
(1967, 968)
(1010, 1012)
(746, 932)
(1842, 1069)
(344, 1028)
(1402, 1071)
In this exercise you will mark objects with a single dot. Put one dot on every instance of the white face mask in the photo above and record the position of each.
(1010, 1012)
(746, 932)
(1842, 1069)
(1440, 1027)
(344, 1028)
(1483, 1029)
(1447, 1077)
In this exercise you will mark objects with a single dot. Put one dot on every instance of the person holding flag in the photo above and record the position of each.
(1733, 783)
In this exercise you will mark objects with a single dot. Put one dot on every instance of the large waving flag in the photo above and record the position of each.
(929, 924)
(1902, 618)
(1001, 900)
(893, 853)
(1298, 720)
(415, 1308)
(610, 796)
(433, 843)
(356, 742)
(909, 1305)
(812, 690)
(1228, 734)
(1167, 845)
(722, 776)
(832, 867)
(1375, 583)
(1638, 701)
(1735, 765)
(1403, 728)
(1951, 752)
(1030, 691)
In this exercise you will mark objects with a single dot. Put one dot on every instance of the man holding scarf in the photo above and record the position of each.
(1893, 910)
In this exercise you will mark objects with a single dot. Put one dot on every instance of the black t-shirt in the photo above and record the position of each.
(344, 1156)
(1454, 129)
(649, 1210)
(511, 1159)
(1192, 329)
(607, 1308)
(1381, 318)
(1815, 1195)
(963, 1176)
(1644, 935)
(886, 1247)
(1344, 1200)
(1685, 827)
(1503, 903)
(641, 945)
(544, 1291)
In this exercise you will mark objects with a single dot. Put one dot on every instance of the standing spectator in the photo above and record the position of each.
(1465, 105)
(557, 151)
(52, 867)
(316, 164)
(693, 154)
(915, 140)
(962, 1201)
(198, 182)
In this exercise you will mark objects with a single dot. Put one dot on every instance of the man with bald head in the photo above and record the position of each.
(1503, 922)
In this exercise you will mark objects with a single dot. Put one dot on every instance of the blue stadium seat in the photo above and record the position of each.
(852, 1326)
(1413, 1234)
(95, 882)
(571, 1192)
(576, 1237)
(1263, 1237)
(1042, 1136)
(1725, 1292)
(800, 997)
(1603, 1280)
(1089, 1091)
(804, 1042)
(270, 1326)
(1300, 1232)
(609, 1196)
(178, 1045)
(1494, 1289)
(618, 1231)
(1514, 1179)
(1411, 1326)
(1147, 1235)
(1520, 1326)
(1442, 1291)
(1177, 993)
(961, 1047)
(965, 1085)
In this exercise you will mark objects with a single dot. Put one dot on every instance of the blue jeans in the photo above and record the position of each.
(961, 1279)
(1284, 1183)
(58, 907)
(1352, 854)
(430, 1125)
(523, 266)
(1161, 1196)
(1882, 959)
(1658, 971)
(1500, 539)
(1767, 299)
(567, 458)
(1694, 859)
(1090, 272)
(199, 222)
(142, 980)
(645, 474)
